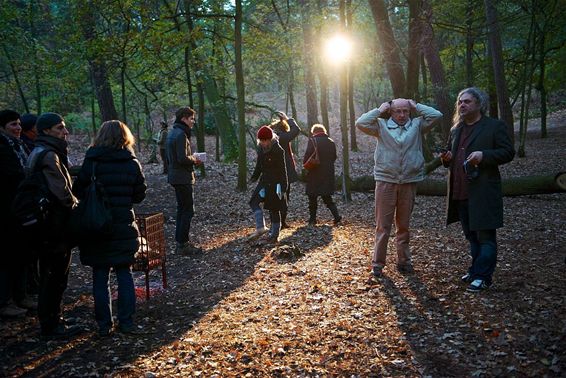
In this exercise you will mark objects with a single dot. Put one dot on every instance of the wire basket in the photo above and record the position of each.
(152, 250)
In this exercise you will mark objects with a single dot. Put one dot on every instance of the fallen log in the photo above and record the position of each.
(516, 186)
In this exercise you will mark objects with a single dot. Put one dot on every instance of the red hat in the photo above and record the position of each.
(265, 132)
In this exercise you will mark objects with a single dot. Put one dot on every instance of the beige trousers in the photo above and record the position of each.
(393, 201)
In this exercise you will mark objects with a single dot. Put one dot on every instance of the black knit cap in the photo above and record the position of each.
(48, 120)
(28, 121)
(7, 116)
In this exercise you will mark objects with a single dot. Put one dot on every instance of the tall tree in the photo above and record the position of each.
(343, 77)
(413, 51)
(308, 62)
(98, 66)
(435, 68)
(389, 47)
(242, 167)
(351, 71)
(494, 38)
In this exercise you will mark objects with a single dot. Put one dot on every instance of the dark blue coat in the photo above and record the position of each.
(120, 173)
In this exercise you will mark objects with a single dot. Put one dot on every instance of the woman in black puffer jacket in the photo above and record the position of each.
(119, 172)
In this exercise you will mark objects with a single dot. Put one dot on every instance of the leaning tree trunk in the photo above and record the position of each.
(515, 186)
(436, 69)
(389, 47)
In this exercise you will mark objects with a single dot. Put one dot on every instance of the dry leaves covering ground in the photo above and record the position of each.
(308, 307)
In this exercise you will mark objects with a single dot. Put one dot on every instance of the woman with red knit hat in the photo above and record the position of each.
(272, 174)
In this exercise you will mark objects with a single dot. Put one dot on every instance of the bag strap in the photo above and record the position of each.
(34, 164)
(315, 146)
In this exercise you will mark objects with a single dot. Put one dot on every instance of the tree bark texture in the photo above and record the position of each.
(308, 61)
(389, 47)
(413, 51)
(435, 68)
(240, 90)
(494, 38)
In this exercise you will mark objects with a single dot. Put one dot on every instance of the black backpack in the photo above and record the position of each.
(33, 201)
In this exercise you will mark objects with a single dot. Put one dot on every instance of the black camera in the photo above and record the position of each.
(472, 171)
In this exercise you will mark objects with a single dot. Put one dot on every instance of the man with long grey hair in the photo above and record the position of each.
(477, 146)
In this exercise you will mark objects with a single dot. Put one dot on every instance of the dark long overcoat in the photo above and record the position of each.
(484, 193)
(271, 170)
(320, 181)
(12, 173)
(120, 173)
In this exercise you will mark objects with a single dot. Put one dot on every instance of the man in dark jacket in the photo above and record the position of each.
(181, 163)
(55, 246)
(477, 146)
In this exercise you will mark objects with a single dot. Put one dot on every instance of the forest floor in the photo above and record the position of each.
(309, 306)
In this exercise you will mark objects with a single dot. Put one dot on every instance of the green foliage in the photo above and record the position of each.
(78, 122)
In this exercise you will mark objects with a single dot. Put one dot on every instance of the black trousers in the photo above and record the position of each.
(54, 266)
(185, 212)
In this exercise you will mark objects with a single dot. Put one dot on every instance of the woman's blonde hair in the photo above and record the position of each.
(114, 134)
(317, 128)
(280, 125)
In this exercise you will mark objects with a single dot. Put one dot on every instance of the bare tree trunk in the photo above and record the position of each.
(413, 52)
(123, 87)
(103, 91)
(35, 62)
(308, 48)
(240, 90)
(343, 72)
(491, 90)
(351, 70)
(389, 47)
(436, 69)
(494, 38)
(469, 43)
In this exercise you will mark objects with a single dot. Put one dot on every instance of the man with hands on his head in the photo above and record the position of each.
(399, 165)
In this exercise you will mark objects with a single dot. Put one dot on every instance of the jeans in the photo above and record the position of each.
(483, 246)
(185, 212)
(102, 296)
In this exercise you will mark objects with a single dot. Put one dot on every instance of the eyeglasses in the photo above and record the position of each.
(472, 171)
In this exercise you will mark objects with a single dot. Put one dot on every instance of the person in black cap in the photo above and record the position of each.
(29, 131)
(13, 157)
(54, 243)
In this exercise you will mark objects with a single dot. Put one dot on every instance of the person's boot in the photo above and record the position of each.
(260, 228)
(274, 233)
(312, 212)
(334, 210)
(284, 224)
